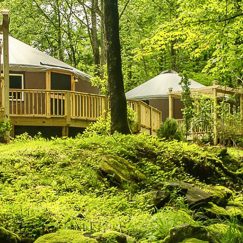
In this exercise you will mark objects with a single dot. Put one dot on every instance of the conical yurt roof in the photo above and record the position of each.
(23, 57)
(158, 87)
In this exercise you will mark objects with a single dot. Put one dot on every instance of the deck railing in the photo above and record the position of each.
(148, 117)
(75, 105)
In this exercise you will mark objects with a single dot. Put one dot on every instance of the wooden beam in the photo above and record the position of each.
(68, 111)
(139, 115)
(5, 26)
(171, 104)
(151, 120)
(73, 83)
(48, 80)
(65, 131)
(48, 94)
(215, 132)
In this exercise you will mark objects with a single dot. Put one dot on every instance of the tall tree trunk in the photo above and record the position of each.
(103, 44)
(118, 102)
(59, 32)
(94, 36)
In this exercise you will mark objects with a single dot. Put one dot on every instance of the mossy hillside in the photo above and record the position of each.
(65, 236)
(101, 183)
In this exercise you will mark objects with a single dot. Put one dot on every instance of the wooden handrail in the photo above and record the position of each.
(73, 105)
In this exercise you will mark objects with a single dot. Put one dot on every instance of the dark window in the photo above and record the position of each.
(60, 81)
(16, 81)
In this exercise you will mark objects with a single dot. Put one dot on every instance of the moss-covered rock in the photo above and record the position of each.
(113, 237)
(194, 240)
(220, 194)
(230, 232)
(217, 230)
(65, 236)
(197, 197)
(118, 170)
(215, 211)
(181, 233)
(8, 237)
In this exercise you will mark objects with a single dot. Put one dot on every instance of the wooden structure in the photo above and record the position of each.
(46, 92)
(155, 93)
(214, 92)
(4, 110)
(70, 109)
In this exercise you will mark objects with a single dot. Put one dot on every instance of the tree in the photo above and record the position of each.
(118, 103)
(187, 102)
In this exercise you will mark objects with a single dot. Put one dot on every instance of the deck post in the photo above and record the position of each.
(48, 94)
(65, 131)
(171, 104)
(68, 106)
(5, 30)
(215, 132)
(105, 106)
(151, 121)
(139, 114)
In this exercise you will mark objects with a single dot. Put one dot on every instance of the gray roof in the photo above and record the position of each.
(158, 87)
(23, 57)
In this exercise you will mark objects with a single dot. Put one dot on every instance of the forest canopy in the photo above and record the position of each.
(203, 38)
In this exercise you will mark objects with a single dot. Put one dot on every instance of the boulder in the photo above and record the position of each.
(113, 237)
(197, 197)
(118, 170)
(194, 240)
(185, 232)
(215, 211)
(220, 194)
(157, 199)
(8, 237)
(65, 236)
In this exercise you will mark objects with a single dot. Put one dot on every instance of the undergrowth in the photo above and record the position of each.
(97, 183)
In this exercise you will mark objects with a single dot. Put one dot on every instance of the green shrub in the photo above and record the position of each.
(103, 124)
(170, 130)
(5, 127)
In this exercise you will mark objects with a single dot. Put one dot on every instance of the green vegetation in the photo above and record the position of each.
(197, 36)
(127, 187)
(170, 130)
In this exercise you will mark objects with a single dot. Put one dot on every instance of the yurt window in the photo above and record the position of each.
(16, 81)
(60, 81)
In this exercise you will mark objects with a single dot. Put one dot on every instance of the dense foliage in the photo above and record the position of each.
(96, 183)
(200, 37)
(170, 130)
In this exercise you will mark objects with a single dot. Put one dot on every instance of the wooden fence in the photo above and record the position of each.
(75, 106)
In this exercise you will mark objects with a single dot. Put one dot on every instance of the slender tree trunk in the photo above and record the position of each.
(94, 36)
(118, 102)
(59, 32)
(103, 44)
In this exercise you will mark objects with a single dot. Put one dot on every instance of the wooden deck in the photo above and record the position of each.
(71, 109)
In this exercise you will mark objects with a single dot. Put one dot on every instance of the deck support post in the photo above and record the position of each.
(151, 121)
(105, 106)
(65, 131)
(68, 106)
(171, 104)
(139, 116)
(48, 94)
(215, 132)
(5, 98)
